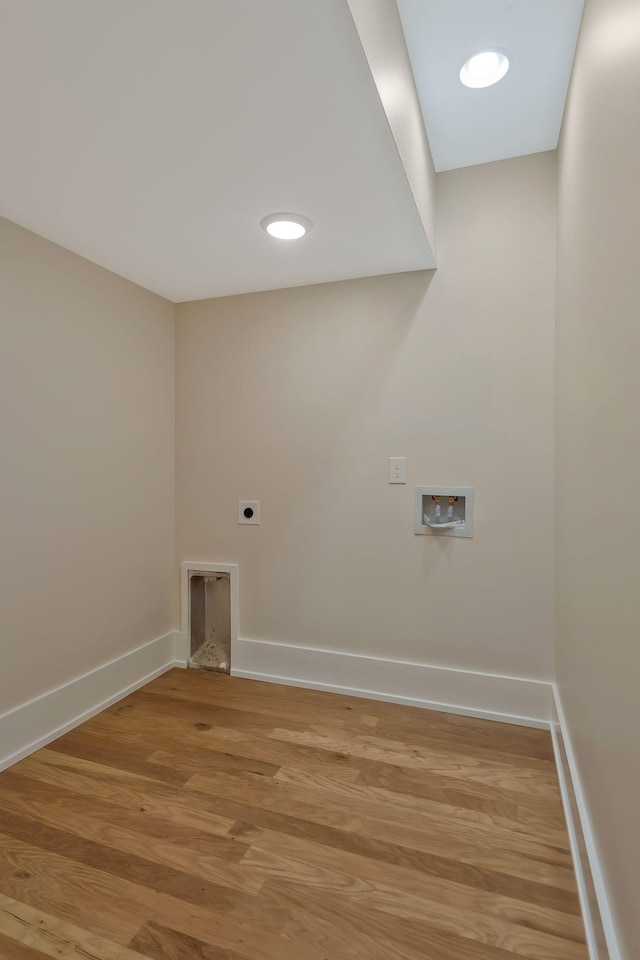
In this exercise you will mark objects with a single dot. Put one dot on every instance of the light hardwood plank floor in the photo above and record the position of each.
(213, 818)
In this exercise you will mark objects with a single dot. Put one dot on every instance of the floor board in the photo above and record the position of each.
(214, 818)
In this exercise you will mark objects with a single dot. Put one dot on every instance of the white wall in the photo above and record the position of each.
(382, 37)
(87, 442)
(298, 397)
(598, 458)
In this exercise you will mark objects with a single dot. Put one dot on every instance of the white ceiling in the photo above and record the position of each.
(521, 114)
(151, 136)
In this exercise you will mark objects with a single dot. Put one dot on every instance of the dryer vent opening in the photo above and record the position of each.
(210, 622)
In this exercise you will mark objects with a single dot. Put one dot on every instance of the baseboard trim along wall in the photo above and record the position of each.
(37, 722)
(536, 703)
(486, 695)
(602, 940)
(181, 648)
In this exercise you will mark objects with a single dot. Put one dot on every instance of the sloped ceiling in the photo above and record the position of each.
(152, 136)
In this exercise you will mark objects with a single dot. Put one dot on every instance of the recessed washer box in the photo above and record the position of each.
(444, 511)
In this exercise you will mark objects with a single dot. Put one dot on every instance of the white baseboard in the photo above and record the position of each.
(602, 940)
(486, 695)
(181, 649)
(37, 722)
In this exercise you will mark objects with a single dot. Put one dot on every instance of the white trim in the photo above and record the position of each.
(199, 566)
(452, 690)
(182, 649)
(36, 722)
(575, 846)
(581, 836)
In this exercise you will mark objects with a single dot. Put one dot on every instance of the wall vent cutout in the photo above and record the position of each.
(209, 626)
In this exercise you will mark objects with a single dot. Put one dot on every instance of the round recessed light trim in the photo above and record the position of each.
(484, 69)
(286, 226)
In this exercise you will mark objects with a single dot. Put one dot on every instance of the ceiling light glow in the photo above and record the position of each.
(286, 226)
(484, 69)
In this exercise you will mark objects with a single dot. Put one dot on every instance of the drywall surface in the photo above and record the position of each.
(598, 459)
(87, 441)
(298, 397)
(380, 30)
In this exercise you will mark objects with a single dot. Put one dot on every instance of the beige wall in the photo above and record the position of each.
(598, 390)
(87, 477)
(298, 397)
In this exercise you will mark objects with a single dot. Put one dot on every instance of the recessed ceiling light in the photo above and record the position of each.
(484, 69)
(286, 226)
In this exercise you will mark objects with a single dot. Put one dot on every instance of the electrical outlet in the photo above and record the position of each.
(249, 511)
(397, 469)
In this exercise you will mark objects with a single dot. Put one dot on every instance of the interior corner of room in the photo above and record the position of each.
(392, 459)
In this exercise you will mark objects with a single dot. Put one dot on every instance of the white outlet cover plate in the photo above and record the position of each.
(249, 505)
(421, 527)
(397, 469)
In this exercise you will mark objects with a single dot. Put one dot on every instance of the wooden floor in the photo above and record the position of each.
(216, 818)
